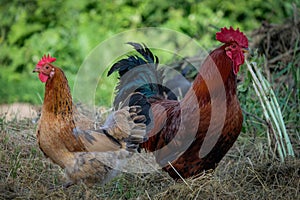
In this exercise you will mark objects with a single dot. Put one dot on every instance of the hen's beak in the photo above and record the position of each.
(245, 50)
(37, 69)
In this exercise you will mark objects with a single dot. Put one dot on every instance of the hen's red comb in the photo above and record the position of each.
(230, 35)
(46, 59)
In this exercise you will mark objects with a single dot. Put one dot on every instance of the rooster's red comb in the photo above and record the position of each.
(46, 59)
(230, 35)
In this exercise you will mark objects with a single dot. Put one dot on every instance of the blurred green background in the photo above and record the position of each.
(70, 29)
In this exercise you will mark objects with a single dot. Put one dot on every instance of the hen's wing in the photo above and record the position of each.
(123, 128)
(97, 140)
(108, 147)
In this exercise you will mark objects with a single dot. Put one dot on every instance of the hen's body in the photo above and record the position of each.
(56, 124)
(70, 140)
(194, 134)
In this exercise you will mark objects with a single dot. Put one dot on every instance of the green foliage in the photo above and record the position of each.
(69, 31)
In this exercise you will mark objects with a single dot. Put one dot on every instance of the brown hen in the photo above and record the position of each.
(70, 140)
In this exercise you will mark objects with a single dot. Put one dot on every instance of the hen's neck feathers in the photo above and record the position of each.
(58, 99)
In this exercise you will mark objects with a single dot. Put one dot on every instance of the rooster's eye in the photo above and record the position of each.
(233, 46)
(47, 67)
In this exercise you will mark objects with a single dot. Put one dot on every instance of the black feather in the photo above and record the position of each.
(139, 75)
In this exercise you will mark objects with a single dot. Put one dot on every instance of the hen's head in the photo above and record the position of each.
(236, 44)
(44, 68)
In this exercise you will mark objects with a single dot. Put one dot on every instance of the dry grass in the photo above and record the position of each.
(246, 172)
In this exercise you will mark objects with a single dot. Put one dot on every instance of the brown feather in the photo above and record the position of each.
(184, 130)
(68, 138)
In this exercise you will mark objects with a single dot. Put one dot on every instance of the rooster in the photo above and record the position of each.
(70, 140)
(189, 136)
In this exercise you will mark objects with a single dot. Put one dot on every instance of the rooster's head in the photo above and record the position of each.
(236, 44)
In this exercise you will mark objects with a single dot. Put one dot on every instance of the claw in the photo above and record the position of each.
(132, 109)
(139, 119)
(135, 109)
(138, 109)
(132, 114)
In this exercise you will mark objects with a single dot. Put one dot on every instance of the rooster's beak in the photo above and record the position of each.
(37, 69)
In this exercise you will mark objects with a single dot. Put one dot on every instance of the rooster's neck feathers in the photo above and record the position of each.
(217, 60)
(215, 74)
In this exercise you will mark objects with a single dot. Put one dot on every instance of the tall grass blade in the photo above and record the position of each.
(272, 112)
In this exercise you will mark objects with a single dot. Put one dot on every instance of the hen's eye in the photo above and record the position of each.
(234, 46)
(47, 67)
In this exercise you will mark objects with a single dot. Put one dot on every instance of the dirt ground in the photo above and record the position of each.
(18, 111)
(248, 171)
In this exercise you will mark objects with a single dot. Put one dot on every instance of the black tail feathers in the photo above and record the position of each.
(124, 65)
(140, 79)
